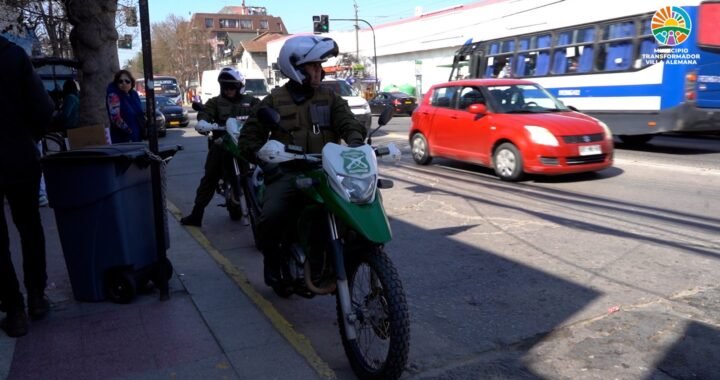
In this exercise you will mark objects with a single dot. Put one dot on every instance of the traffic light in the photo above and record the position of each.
(125, 42)
(321, 24)
(131, 16)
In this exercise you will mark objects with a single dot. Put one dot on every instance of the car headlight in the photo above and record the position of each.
(608, 133)
(358, 189)
(541, 135)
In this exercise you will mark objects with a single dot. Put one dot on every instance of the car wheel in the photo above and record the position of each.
(507, 162)
(420, 149)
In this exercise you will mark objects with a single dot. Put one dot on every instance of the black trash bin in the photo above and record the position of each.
(103, 204)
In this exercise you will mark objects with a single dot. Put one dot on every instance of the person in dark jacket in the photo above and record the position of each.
(127, 119)
(70, 112)
(27, 111)
(315, 115)
(230, 103)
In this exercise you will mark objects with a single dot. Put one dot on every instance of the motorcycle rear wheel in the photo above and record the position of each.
(382, 324)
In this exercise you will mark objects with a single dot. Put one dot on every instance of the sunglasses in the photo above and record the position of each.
(126, 81)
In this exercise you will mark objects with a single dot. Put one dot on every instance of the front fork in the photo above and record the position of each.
(342, 281)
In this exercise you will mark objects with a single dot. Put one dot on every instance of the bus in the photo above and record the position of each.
(164, 85)
(642, 67)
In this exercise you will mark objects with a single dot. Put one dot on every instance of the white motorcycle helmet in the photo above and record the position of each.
(299, 50)
(231, 76)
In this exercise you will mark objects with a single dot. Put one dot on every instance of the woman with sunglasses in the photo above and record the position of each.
(127, 119)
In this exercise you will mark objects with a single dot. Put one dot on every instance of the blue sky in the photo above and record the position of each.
(297, 15)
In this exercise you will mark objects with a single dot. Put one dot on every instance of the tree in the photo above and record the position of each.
(178, 49)
(94, 42)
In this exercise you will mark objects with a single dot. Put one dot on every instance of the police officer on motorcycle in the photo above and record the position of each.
(230, 103)
(311, 116)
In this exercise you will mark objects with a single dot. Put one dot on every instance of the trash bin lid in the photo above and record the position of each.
(122, 151)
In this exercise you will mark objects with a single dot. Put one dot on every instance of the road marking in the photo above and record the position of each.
(301, 343)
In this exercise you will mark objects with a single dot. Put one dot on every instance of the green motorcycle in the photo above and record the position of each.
(338, 247)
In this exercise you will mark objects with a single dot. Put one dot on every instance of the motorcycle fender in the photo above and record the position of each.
(369, 220)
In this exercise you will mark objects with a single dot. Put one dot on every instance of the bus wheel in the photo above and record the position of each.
(635, 139)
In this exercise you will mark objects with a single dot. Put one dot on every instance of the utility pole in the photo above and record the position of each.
(357, 30)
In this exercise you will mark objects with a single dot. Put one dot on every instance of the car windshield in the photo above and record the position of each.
(256, 86)
(524, 98)
(163, 101)
(340, 87)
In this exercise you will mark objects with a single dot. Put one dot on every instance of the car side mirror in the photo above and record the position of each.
(478, 109)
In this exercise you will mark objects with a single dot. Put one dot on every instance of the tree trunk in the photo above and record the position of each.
(94, 42)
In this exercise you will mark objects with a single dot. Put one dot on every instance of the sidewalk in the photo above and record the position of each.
(210, 328)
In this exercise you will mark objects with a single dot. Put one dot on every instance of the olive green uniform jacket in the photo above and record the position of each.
(220, 108)
(314, 121)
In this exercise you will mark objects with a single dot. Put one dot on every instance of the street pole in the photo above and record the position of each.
(155, 170)
(374, 45)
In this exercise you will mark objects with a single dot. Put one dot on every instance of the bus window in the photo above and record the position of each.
(574, 51)
(646, 46)
(560, 56)
(500, 65)
(708, 32)
(616, 54)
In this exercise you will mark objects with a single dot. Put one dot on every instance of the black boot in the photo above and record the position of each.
(15, 323)
(38, 304)
(194, 219)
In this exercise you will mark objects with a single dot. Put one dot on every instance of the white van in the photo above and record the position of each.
(255, 86)
(358, 105)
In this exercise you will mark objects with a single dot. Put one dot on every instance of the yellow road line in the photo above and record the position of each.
(301, 343)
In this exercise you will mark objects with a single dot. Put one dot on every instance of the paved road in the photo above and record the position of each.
(610, 275)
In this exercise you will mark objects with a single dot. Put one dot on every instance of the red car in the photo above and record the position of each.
(513, 126)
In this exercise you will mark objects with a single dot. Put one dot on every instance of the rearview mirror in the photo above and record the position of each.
(385, 116)
(477, 108)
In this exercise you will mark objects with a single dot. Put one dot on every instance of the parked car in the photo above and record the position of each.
(513, 126)
(358, 105)
(159, 118)
(175, 115)
(400, 101)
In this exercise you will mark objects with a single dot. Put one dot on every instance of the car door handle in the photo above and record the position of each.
(453, 117)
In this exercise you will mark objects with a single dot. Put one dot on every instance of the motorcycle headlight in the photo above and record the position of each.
(541, 135)
(359, 190)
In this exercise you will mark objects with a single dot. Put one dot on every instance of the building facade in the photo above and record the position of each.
(233, 25)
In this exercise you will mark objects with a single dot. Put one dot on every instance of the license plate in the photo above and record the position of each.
(174, 123)
(589, 150)
(408, 102)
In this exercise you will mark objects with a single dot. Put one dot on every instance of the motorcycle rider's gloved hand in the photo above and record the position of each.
(204, 127)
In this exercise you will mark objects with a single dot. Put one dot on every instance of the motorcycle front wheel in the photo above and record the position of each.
(380, 311)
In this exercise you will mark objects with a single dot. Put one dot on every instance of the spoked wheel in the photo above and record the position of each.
(380, 315)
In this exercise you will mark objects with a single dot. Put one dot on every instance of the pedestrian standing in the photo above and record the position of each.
(127, 119)
(27, 110)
